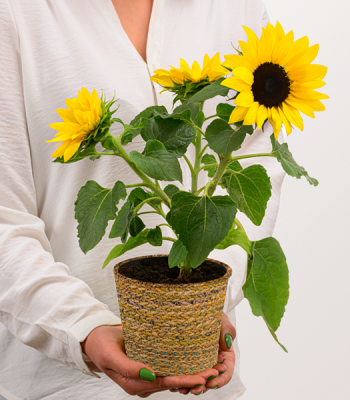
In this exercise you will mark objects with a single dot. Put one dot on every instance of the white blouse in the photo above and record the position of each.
(51, 294)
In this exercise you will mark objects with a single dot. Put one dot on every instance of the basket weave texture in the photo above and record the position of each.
(173, 328)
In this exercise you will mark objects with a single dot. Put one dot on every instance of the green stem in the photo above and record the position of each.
(106, 154)
(253, 155)
(137, 208)
(199, 190)
(203, 150)
(211, 186)
(165, 225)
(212, 116)
(142, 175)
(209, 165)
(240, 226)
(148, 212)
(193, 173)
(169, 238)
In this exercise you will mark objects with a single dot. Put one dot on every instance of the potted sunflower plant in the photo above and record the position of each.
(171, 305)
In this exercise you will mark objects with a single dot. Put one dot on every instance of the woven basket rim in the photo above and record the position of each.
(173, 285)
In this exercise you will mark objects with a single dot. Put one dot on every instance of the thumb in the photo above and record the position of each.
(227, 334)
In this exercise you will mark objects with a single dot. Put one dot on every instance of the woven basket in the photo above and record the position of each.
(173, 328)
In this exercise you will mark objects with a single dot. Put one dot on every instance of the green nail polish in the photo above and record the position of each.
(200, 384)
(228, 340)
(147, 375)
(175, 388)
(199, 393)
(214, 387)
(211, 378)
(221, 372)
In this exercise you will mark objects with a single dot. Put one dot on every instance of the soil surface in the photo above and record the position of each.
(156, 270)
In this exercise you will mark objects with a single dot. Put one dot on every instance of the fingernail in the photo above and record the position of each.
(199, 393)
(200, 384)
(175, 388)
(221, 372)
(214, 387)
(228, 340)
(147, 375)
(211, 377)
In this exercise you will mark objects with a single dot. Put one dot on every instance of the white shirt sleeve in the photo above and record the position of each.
(40, 302)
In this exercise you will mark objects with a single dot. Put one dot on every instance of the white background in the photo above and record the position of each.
(313, 228)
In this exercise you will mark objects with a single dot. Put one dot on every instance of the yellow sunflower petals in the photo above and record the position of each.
(307, 72)
(58, 126)
(251, 116)
(309, 94)
(304, 57)
(285, 122)
(261, 116)
(238, 114)
(244, 74)
(236, 84)
(282, 48)
(279, 32)
(297, 47)
(245, 99)
(250, 52)
(275, 121)
(234, 61)
(316, 84)
(251, 35)
(293, 115)
(316, 105)
(299, 105)
(265, 47)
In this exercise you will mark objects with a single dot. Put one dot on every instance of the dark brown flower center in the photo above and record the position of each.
(271, 85)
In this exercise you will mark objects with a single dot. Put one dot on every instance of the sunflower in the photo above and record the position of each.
(79, 121)
(275, 80)
(186, 80)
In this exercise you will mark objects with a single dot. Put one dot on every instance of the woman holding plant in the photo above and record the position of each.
(65, 313)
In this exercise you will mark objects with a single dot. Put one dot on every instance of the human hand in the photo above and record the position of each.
(226, 361)
(105, 348)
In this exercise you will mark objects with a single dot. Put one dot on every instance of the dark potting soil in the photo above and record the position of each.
(156, 270)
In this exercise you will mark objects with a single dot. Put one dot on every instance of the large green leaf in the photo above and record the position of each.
(235, 236)
(138, 195)
(147, 114)
(155, 237)
(157, 162)
(94, 207)
(120, 249)
(223, 139)
(121, 223)
(170, 190)
(175, 134)
(208, 92)
(193, 108)
(284, 156)
(136, 225)
(208, 159)
(249, 188)
(224, 110)
(267, 285)
(201, 222)
(177, 255)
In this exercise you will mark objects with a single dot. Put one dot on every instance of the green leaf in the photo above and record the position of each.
(121, 223)
(94, 207)
(267, 285)
(136, 225)
(223, 139)
(107, 143)
(157, 162)
(235, 236)
(209, 159)
(175, 134)
(147, 114)
(192, 107)
(249, 188)
(155, 237)
(177, 255)
(224, 110)
(284, 156)
(210, 91)
(201, 222)
(138, 195)
(120, 249)
(170, 190)
(199, 120)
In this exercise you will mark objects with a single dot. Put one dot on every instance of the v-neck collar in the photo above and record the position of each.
(155, 31)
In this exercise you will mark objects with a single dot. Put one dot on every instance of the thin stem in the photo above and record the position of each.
(211, 186)
(240, 226)
(169, 238)
(189, 165)
(142, 175)
(197, 164)
(254, 155)
(165, 225)
(198, 191)
(106, 154)
(212, 116)
(203, 150)
(137, 208)
(148, 212)
(209, 165)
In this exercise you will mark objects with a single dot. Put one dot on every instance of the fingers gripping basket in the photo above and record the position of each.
(173, 328)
